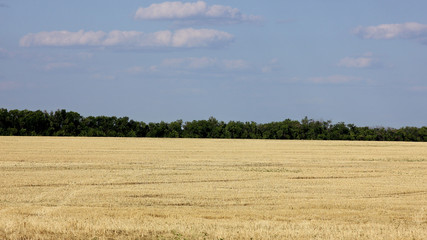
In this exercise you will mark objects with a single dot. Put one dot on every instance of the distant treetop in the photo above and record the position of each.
(68, 123)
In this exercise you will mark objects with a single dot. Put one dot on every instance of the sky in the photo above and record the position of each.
(362, 62)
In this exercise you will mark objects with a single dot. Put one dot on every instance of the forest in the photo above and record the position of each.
(69, 123)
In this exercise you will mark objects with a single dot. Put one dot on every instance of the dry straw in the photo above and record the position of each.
(121, 188)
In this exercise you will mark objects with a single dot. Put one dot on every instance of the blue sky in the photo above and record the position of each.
(361, 62)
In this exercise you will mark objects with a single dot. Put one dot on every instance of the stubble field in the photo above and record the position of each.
(129, 188)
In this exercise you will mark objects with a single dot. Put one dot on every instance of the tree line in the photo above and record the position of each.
(69, 123)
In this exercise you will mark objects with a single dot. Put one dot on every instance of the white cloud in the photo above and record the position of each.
(58, 65)
(359, 62)
(410, 30)
(200, 63)
(63, 39)
(5, 53)
(84, 55)
(182, 38)
(141, 69)
(187, 91)
(190, 37)
(235, 64)
(366, 60)
(272, 65)
(267, 69)
(336, 79)
(205, 62)
(197, 12)
(192, 64)
(99, 76)
(171, 10)
(368, 54)
(116, 37)
(418, 89)
(9, 85)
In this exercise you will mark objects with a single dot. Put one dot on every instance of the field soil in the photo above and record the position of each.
(142, 188)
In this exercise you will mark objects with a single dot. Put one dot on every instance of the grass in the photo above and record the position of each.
(128, 188)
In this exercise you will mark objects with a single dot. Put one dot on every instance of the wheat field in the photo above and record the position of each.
(133, 188)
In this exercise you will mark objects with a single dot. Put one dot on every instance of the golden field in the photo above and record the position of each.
(130, 188)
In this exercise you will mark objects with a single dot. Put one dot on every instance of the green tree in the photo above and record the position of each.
(175, 129)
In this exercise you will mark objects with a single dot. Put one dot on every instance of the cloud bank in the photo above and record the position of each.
(197, 12)
(182, 38)
(410, 30)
